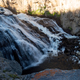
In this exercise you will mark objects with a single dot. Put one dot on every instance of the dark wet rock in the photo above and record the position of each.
(46, 22)
(1, 10)
(1, 55)
(10, 66)
(63, 62)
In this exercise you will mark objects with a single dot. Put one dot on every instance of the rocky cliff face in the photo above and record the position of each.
(22, 5)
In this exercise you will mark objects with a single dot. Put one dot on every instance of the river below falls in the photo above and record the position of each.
(37, 43)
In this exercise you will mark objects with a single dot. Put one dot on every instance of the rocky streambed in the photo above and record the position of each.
(34, 47)
(10, 72)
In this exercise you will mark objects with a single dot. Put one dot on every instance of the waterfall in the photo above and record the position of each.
(25, 39)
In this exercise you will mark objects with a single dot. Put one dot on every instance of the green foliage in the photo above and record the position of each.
(17, 11)
(70, 28)
(44, 7)
(48, 13)
(43, 11)
(56, 14)
(37, 12)
(23, 12)
(30, 12)
(4, 71)
(13, 76)
(40, 11)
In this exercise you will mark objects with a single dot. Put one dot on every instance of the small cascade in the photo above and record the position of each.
(53, 38)
(29, 40)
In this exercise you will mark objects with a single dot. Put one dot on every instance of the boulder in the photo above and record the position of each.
(10, 66)
(57, 74)
(71, 21)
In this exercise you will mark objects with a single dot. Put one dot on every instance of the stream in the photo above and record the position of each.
(37, 43)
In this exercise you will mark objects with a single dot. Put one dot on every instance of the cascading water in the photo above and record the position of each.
(25, 39)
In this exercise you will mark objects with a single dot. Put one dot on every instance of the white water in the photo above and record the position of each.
(24, 45)
(53, 48)
(30, 50)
